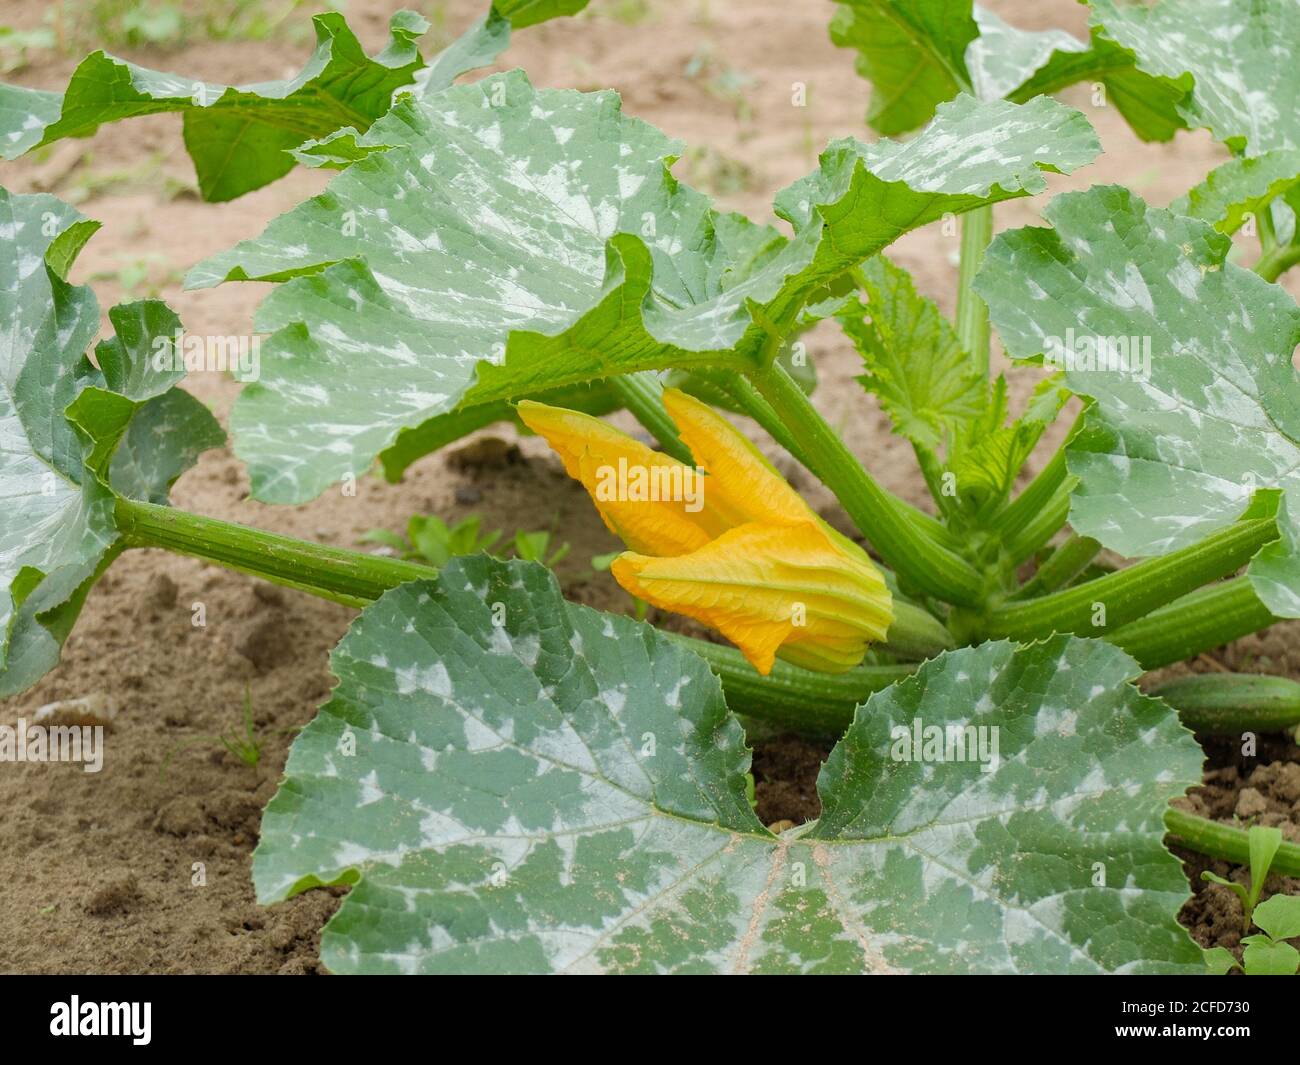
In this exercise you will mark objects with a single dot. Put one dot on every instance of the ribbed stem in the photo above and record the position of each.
(752, 403)
(1042, 525)
(1061, 567)
(1128, 594)
(1228, 704)
(349, 577)
(916, 558)
(1217, 840)
(1206, 619)
(794, 698)
(972, 314)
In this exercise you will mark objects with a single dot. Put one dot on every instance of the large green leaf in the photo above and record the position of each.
(510, 239)
(479, 46)
(919, 53)
(56, 527)
(1239, 56)
(514, 783)
(239, 138)
(912, 51)
(1172, 455)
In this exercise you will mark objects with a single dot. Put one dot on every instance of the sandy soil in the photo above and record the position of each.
(99, 870)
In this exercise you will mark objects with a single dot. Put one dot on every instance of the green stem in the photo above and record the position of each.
(814, 703)
(1273, 264)
(751, 401)
(1208, 618)
(1022, 510)
(1227, 704)
(643, 394)
(1217, 840)
(353, 578)
(1044, 493)
(915, 633)
(1061, 566)
(1267, 232)
(1042, 526)
(972, 314)
(748, 398)
(1128, 594)
(916, 558)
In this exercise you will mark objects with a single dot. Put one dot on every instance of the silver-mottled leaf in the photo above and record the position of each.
(919, 53)
(1241, 187)
(510, 240)
(1198, 408)
(513, 783)
(1240, 58)
(56, 528)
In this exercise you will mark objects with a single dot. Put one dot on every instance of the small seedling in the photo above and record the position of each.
(1266, 954)
(533, 547)
(247, 748)
(1264, 843)
(430, 539)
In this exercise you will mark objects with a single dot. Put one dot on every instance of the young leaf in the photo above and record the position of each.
(915, 364)
(1219, 960)
(919, 53)
(988, 459)
(1244, 88)
(1279, 916)
(1177, 449)
(1263, 957)
(1264, 841)
(511, 782)
(934, 393)
(56, 528)
(512, 240)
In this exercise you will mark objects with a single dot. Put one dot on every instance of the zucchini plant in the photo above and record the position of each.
(511, 782)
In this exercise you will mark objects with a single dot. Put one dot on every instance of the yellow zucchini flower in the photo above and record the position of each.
(730, 543)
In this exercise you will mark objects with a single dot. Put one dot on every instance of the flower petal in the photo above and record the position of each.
(790, 590)
(643, 517)
(742, 484)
